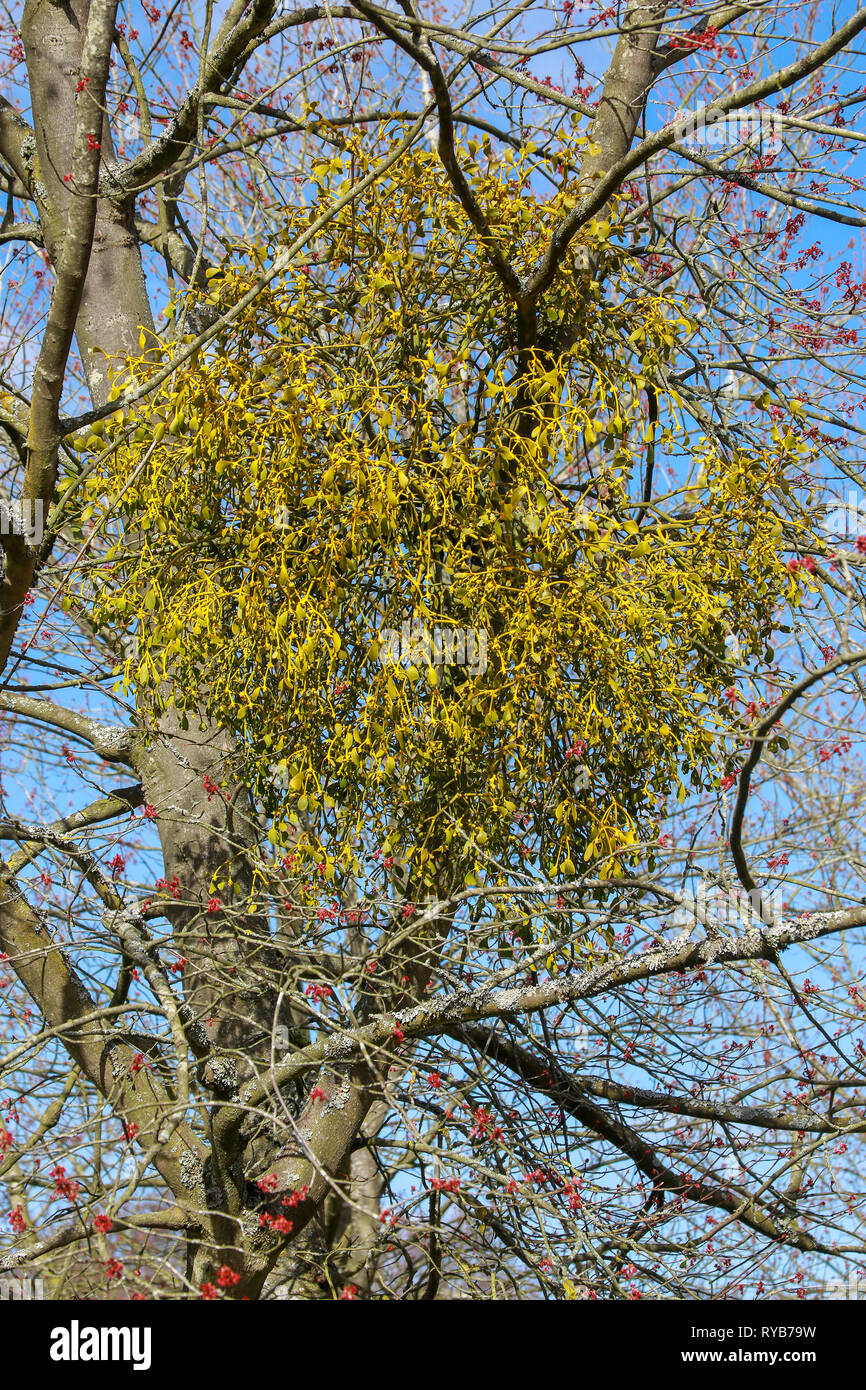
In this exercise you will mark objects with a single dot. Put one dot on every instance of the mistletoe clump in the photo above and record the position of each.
(400, 555)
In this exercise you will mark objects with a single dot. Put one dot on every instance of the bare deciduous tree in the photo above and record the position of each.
(213, 1088)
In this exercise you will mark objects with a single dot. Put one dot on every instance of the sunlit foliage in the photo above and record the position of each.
(363, 448)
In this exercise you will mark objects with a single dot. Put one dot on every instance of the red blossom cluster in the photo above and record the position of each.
(577, 749)
(843, 746)
(318, 992)
(63, 1186)
(280, 1224)
(484, 1129)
